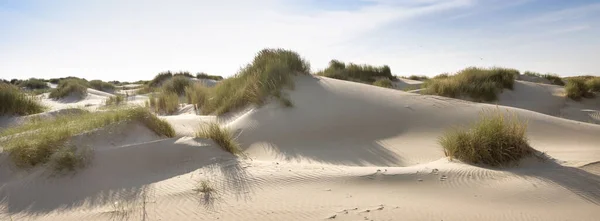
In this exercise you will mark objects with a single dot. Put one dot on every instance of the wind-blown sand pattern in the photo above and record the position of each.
(344, 151)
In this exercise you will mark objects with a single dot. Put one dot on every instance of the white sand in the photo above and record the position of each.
(345, 151)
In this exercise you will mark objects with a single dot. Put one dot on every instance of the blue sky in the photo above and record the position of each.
(135, 39)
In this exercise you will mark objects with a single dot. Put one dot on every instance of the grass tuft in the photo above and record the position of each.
(269, 73)
(164, 102)
(43, 141)
(115, 100)
(204, 186)
(221, 136)
(480, 84)
(177, 84)
(494, 140)
(67, 87)
(15, 102)
(357, 73)
(102, 86)
(207, 76)
(34, 83)
(577, 88)
(387, 83)
(418, 77)
(593, 84)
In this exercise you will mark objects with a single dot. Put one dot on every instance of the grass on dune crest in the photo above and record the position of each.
(34, 83)
(202, 75)
(480, 84)
(177, 84)
(580, 87)
(221, 136)
(14, 102)
(269, 73)
(357, 73)
(67, 87)
(383, 83)
(553, 78)
(494, 140)
(47, 141)
(102, 86)
(163, 102)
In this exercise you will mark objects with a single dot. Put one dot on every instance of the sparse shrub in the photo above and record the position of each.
(165, 102)
(270, 72)
(532, 74)
(197, 94)
(13, 101)
(358, 73)
(54, 80)
(494, 140)
(576, 88)
(207, 76)
(68, 87)
(440, 76)
(35, 142)
(418, 77)
(593, 84)
(221, 136)
(15, 81)
(69, 158)
(102, 86)
(177, 85)
(387, 83)
(33, 83)
(184, 74)
(146, 89)
(160, 78)
(478, 83)
(554, 79)
(115, 100)
(204, 187)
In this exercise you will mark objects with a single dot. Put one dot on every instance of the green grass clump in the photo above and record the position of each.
(418, 77)
(102, 86)
(269, 73)
(593, 84)
(183, 74)
(357, 73)
(387, 83)
(34, 83)
(221, 136)
(480, 84)
(160, 78)
(15, 102)
(177, 84)
(577, 88)
(165, 102)
(67, 87)
(494, 140)
(207, 76)
(197, 94)
(42, 141)
(554, 79)
(115, 100)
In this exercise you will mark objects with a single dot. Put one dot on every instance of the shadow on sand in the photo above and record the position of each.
(122, 175)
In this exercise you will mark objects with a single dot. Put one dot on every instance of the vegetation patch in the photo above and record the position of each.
(387, 83)
(34, 83)
(67, 87)
(15, 102)
(47, 141)
(207, 76)
(553, 78)
(593, 84)
(221, 136)
(578, 88)
(164, 102)
(357, 73)
(418, 77)
(269, 73)
(480, 84)
(177, 85)
(494, 140)
(102, 86)
(115, 100)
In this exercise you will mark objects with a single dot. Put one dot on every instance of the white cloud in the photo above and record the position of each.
(133, 40)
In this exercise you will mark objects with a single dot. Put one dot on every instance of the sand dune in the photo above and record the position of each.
(344, 151)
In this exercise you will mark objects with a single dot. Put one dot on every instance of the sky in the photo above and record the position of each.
(129, 40)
